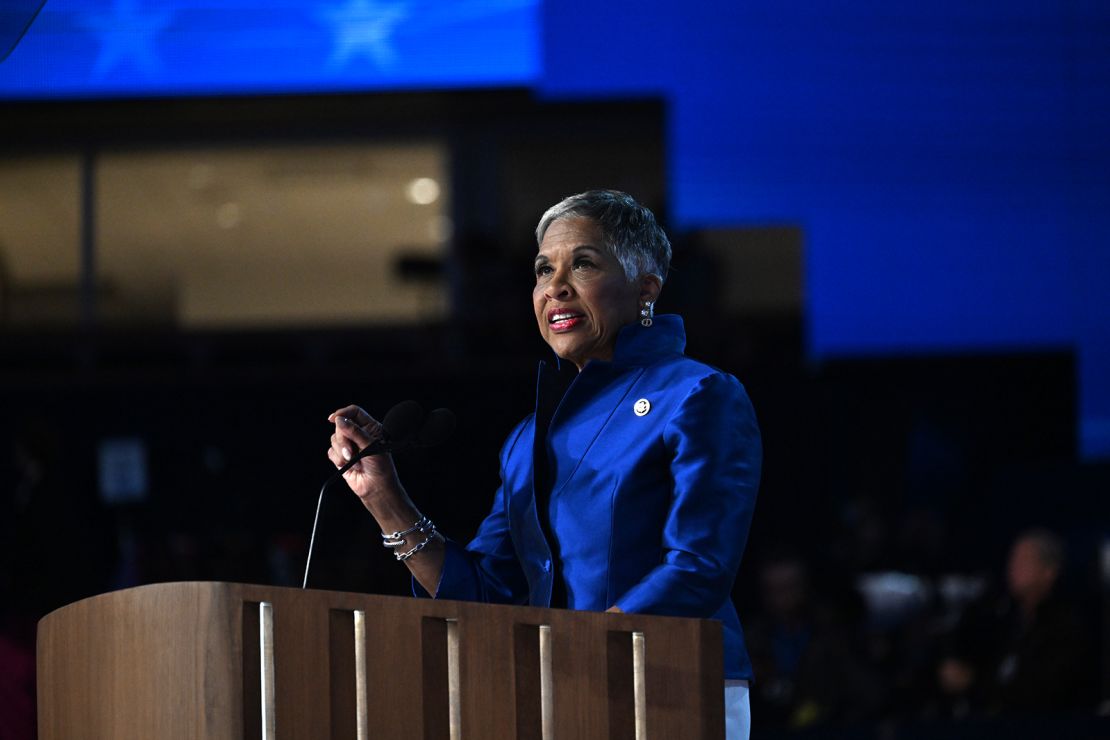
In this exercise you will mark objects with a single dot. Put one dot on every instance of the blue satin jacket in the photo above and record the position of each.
(649, 504)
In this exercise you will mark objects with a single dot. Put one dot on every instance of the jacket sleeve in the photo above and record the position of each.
(487, 569)
(716, 459)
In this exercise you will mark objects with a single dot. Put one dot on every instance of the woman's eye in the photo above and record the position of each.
(543, 270)
(583, 264)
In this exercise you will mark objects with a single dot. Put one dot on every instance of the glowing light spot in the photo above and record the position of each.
(422, 191)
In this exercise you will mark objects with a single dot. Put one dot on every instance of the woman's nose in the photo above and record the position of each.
(558, 287)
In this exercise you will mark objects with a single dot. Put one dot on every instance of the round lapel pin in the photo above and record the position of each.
(642, 407)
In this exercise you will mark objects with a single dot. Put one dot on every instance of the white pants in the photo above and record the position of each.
(738, 712)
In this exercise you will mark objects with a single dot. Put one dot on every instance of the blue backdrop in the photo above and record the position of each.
(125, 48)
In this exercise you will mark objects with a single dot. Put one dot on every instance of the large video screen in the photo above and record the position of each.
(137, 48)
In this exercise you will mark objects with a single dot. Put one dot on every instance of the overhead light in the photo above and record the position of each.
(422, 191)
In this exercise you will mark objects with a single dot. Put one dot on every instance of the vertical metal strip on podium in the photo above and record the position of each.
(266, 651)
(362, 717)
(639, 684)
(454, 703)
(547, 685)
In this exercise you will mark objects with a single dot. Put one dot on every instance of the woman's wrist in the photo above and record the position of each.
(378, 489)
(391, 508)
(384, 500)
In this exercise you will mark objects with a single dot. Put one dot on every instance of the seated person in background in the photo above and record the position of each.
(811, 670)
(1027, 652)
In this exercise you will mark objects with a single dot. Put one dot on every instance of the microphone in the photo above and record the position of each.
(401, 424)
(436, 429)
(404, 426)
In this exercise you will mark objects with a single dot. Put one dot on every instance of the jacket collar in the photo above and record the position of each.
(639, 345)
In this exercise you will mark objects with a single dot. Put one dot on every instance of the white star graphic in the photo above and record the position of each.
(126, 35)
(363, 28)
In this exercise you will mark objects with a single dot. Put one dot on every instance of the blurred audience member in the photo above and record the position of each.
(17, 688)
(59, 539)
(1026, 652)
(809, 670)
(54, 549)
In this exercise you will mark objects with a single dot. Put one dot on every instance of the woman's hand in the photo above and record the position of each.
(374, 477)
(375, 481)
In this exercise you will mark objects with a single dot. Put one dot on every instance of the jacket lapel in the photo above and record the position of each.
(595, 395)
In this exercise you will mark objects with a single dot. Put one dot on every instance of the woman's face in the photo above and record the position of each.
(582, 297)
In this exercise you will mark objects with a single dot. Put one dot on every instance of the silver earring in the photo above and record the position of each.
(647, 313)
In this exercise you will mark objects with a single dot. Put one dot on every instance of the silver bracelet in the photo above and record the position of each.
(403, 556)
(396, 539)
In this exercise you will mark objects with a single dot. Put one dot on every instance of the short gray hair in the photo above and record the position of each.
(630, 230)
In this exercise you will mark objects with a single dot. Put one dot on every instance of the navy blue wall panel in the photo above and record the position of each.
(950, 164)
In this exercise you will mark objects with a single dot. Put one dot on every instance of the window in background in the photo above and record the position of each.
(258, 237)
(40, 247)
(272, 237)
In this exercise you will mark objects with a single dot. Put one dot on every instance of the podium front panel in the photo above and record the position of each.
(187, 660)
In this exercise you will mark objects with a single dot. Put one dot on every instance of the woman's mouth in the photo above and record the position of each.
(560, 321)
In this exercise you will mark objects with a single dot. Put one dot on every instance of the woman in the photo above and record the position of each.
(631, 487)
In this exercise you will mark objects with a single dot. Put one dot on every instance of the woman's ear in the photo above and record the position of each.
(650, 286)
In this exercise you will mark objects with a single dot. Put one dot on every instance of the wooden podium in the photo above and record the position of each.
(217, 661)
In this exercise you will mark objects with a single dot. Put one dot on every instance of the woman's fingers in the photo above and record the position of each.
(347, 442)
(354, 413)
(338, 459)
(360, 435)
(354, 431)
